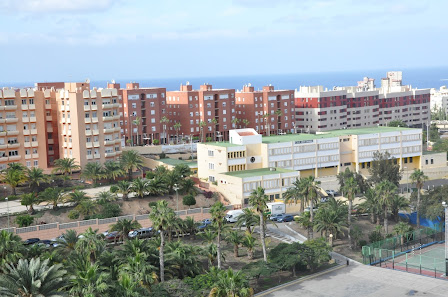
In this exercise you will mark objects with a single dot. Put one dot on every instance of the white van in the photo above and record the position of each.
(232, 215)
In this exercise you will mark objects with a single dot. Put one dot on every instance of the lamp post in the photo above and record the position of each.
(407, 180)
(331, 239)
(7, 209)
(445, 206)
(176, 188)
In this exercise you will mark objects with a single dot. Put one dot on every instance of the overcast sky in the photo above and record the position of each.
(62, 40)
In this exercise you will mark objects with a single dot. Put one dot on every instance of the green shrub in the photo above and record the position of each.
(73, 214)
(375, 236)
(189, 200)
(24, 220)
(152, 203)
(162, 156)
(111, 210)
(155, 141)
(362, 243)
(10, 198)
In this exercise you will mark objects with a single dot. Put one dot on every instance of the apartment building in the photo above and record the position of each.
(248, 159)
(439, 99)
(141, 111)
(319, 109)
(88, 123)
(214, 108)
(268, 111)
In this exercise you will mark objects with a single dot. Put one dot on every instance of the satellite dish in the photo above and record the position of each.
(88, 81)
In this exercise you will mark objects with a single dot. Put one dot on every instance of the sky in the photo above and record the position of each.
(70, 40)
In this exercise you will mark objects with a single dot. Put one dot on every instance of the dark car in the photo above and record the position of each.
(275, 217)
(31, 241)
(204, 224)
(113, 236)
(285, 218)
(46, 243)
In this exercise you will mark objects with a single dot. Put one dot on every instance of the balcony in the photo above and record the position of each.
(10, 107)
(117, 105)
(2, 133)
(94, 107)
(96, 144)
(14, 158)
(2, 121)
(86, 107)
(35, 156)
(89, 157)
(24, 106)
(25, 119)
(32, 106)
(50, 153)
(69, 132)
(13, 132)
(94, 120)
(87, 120)
(12, 120)
(35, 143)
(109, 142)
(64, 144)
(88, 132)
(118, 153)
(49, 118)
(109, 118)
(27, 157)
(107, 106)
(117, 129)
(3, 146)
(50, 141)
(13, 145)
(27, 144)
(118, 141)
(109, 130)
(108, 155)
(89, 145)
(96, 156)
(26, 132)
(33, 119)
(95, 132)
(49, 129)
(3, 159)
(34, 131)
(70, 145)
(2, 108)
(47, 106)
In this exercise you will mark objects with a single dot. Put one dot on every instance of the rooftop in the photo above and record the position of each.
(222, 143)
(174, 162)
(329, 134)
(257, 172)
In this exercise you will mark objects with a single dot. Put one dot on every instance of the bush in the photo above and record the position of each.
(24, 220)
(208, 194)
(215, 183)
(10, 198)
(73, 214)
(111, 210)
(162, 156)
(155, 142)
(375, 236)
(152, 203)
(172, 288)
(362, 243)
(180, 158)
(189, 200)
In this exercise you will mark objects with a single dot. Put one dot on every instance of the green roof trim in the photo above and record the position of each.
(221, 143)
(174, 162)
(257, 172)
(330, 134)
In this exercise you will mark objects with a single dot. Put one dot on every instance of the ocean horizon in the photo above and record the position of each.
(418, 78)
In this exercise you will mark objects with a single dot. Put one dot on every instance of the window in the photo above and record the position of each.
(9, 102)
(36, 163)
(211, 178)
(31, 101)
(432, 161)
(134, 105)
(211, 166)
(87, 115)
(23, 101)
(210, 153)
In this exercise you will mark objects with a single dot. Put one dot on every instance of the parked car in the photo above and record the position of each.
(113, 236)
(46, 243)
(308, 209)
(141, 233)
(30, 241)
(285, 218)
(275, 217)
(332, 192)
(204, 224)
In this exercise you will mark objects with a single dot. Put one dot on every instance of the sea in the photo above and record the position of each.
(416, 77)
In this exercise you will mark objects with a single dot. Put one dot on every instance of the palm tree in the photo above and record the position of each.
(87, 207)
(418, 178)
(296, 193)
(188, 186)
(177, 126)
(93, 171)
(402, 229)
(311, 187)
(190, 227)
(248, 219)
(30, 199)
(350, 189)
(157, 186)
(77, 197)
(160, 214)
(209, 235)
(266, 119)
(371, 205)
(305, 221)
(236, 238)
(92, 244)
(246, 123)
(11, 247)
(124, 226)
(164, 120)
(258, 200)
(67, 243)
(232, 284)
(104, 197)
(398, 202)
(249, 242)
(53, 196)
(123, 187)
(234, 122)
(183, 259)
(139, 186)
(139, 269)
(131, 160)
(136, 122)
(202, 124)
(214, 122)
(386, 191)
(35, 177)
(113, 170)
(14, 176)
(278, 113)
(65, 166)
(33, 278)
(218, 213)
(331, 218)
(90, 280)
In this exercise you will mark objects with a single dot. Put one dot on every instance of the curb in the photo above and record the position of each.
(299, 280)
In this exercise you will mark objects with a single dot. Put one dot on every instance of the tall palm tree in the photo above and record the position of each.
(33, 277)
(104, 197)
(65, 166)
(331, 218)
(92, 244)
(124, 226)
(183, 259)
(131, 160)
(218, 213)
(87, 207)
(248, 219)
(250, 243)
(188, 186)
(190, 227)
(214, 122)
(235, 121)
(77, 197)
(278, 113)
(398, 202)
(386, 191)
(11, 247)
(296, 194)
(311, 188)
(350, 189)
(90, 280)
(202, 124)
(418, 178)
(93, 171)
(231, 283)
(136, 122)
(160, 214)
(139, 186)
(246, 123)
(113, 170)
(177, 127)
(14, 176)
(30, 199)
(371, 205)
(123, 187)
(402, 229)
(67, 243)
(236, 238)
(258, 200)
(53, 196)
(139, 269)
(164, 120)
(35, 177)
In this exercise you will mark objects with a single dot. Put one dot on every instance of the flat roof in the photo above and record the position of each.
(174, 162)
(221, 143)
(257, 172)
(330, 134)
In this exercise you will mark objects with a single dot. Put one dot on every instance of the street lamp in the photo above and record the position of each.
(7, 209)
(176, 188)
(407, 180)
(446, 236)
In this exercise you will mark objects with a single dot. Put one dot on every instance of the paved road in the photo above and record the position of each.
(430, 184)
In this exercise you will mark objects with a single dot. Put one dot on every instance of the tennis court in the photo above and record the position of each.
(430, 258)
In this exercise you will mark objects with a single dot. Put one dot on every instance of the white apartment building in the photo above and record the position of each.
(439, 99)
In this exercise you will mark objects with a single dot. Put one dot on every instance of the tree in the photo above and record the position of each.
(278, 113)
(124, 226)
(157, 186)
(350, 188)
(77, 197)
(418, 178)
(384, 167)
(136, 122)
(29, 200)
(11, 247)
(236, 238)
(305, 221)
(359, 178)
(250, 243)
(188, 186)
(160, 214)
(234, 122)
(112, 170)
(231, 283)
(65, 166)
(285, 256)
(402, 229)
(53, 196)
(371, 205)
(92, 244)
(131, 160)
(296, 193)
(398, 202)
(14, 176)
(189, 200)
(87, 207)
(259, 268)
(93, 171)
(385, 191)
(246, 123)
(311, 187)
(315, 252)
(258, 200)
(268, 123)
(24, 220)
(183, 259)
(139, 186)
(104, 197)
(397, 123)
(164, 120)
(123, 187)
(35, 177)
(218, 212)
(90, 280)
(248, 219)
(67, 243)
(202, 124)
(137, 267)
(33, 278)
(177, 127)
(190, 227)
(331, 217)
